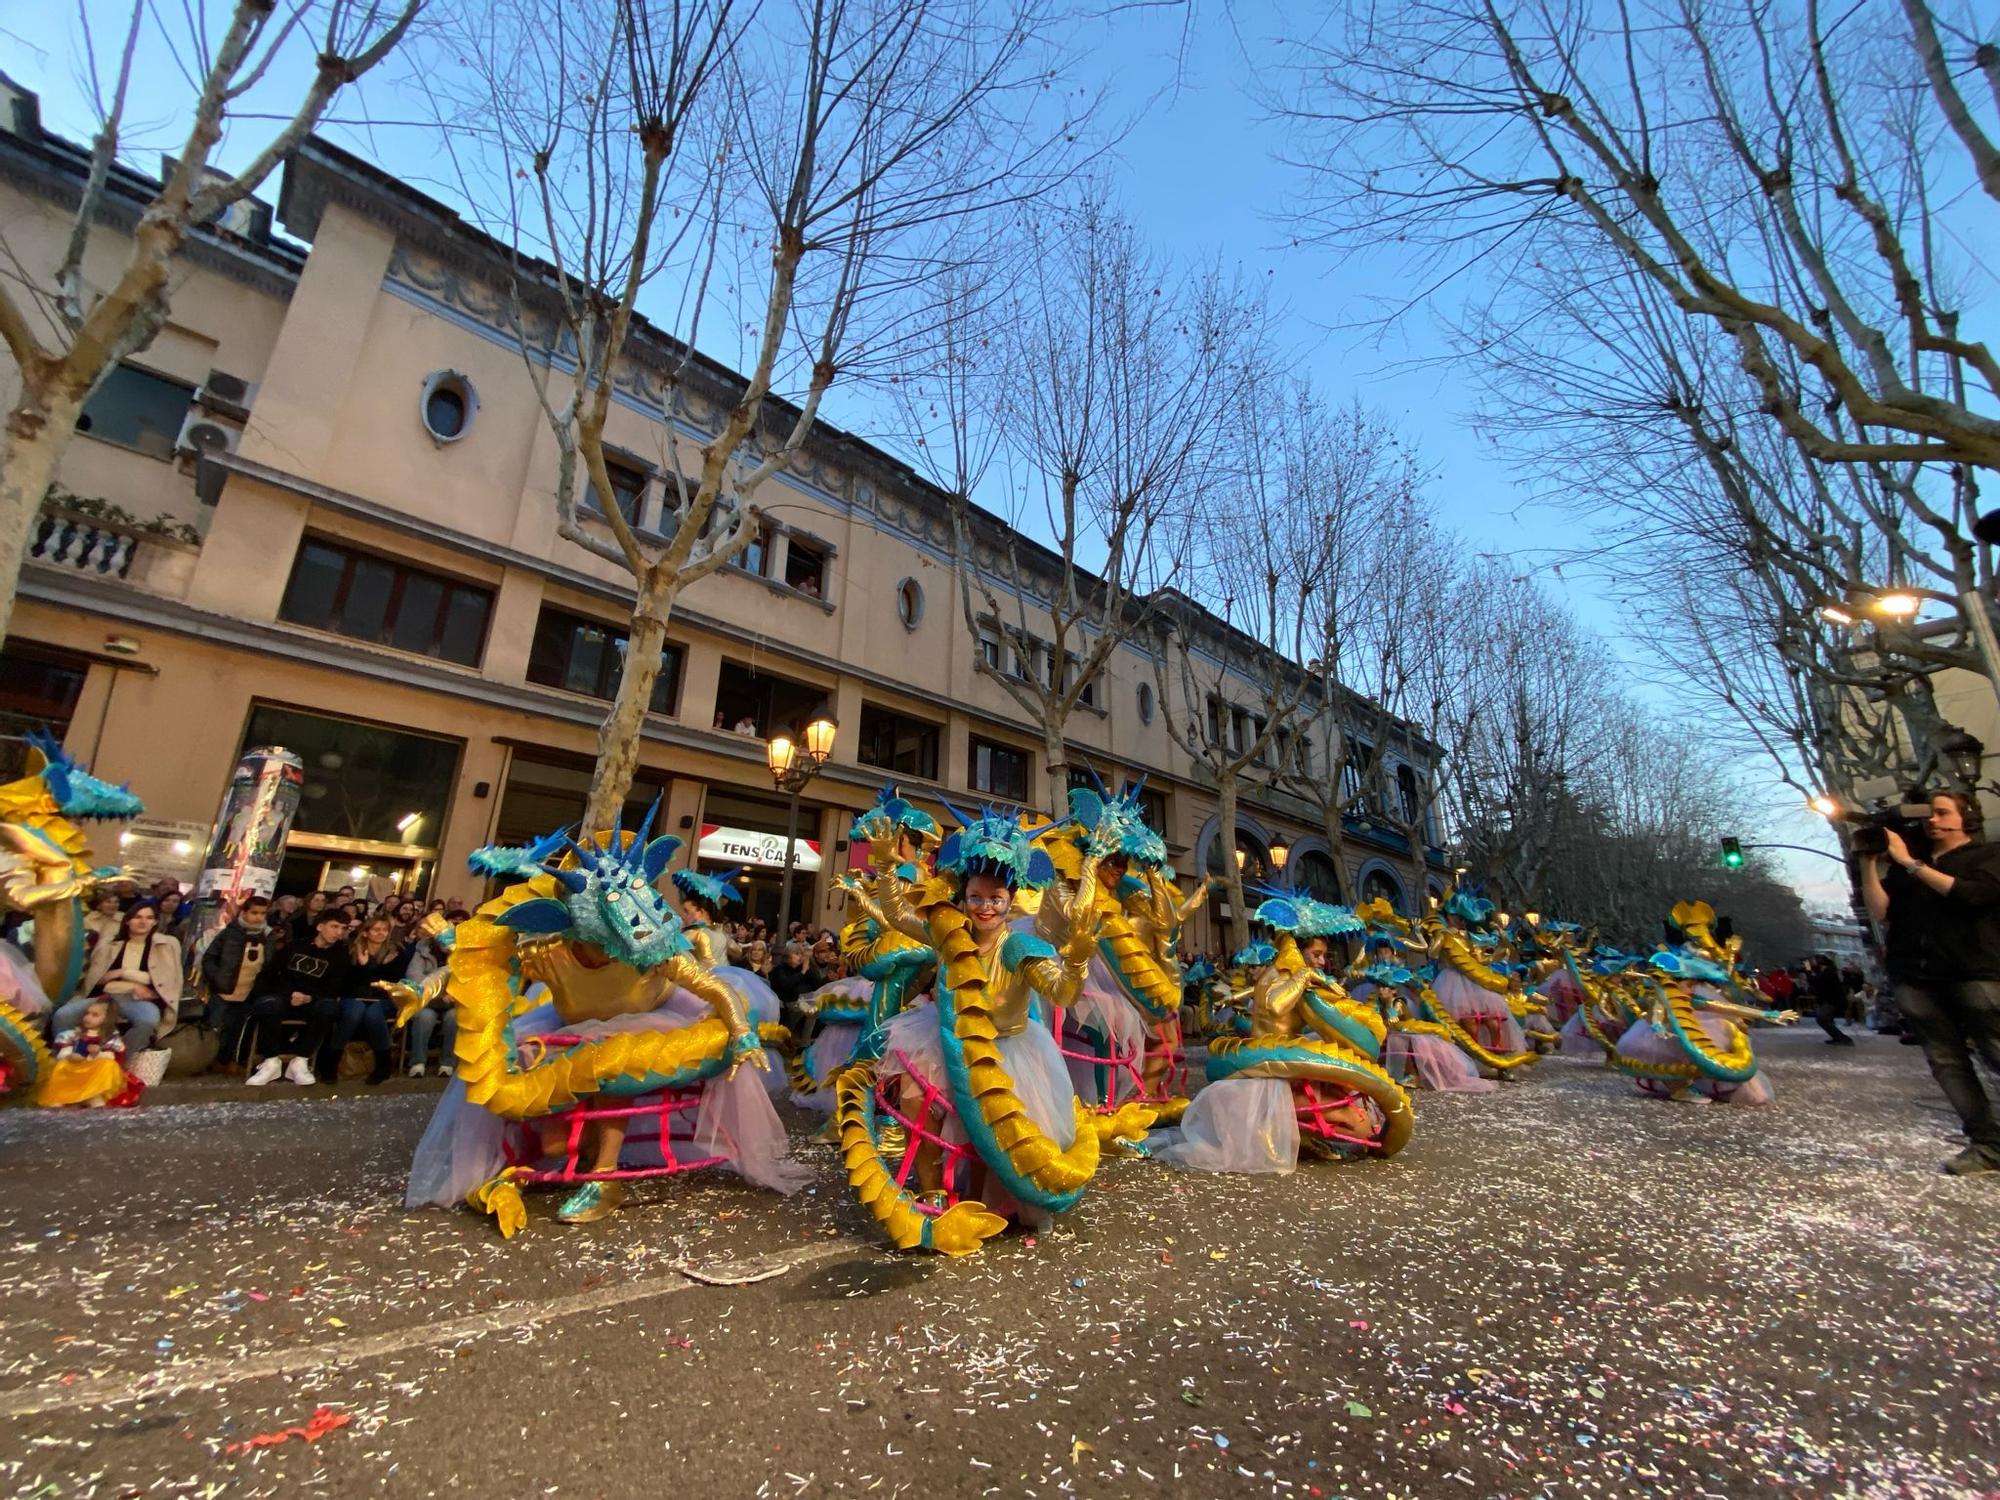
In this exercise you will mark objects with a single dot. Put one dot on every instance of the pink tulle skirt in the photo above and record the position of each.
(1480, 1012)
(1103, 1007)
(1643, 1042)
(18, 985)
(1434, 1062)
(1560, 996)
(1246, 1125)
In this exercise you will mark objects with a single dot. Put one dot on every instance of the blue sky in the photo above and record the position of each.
(1197, 173)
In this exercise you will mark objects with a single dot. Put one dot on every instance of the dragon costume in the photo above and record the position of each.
(1482, 1001)
(1691, 1036)
(885, 968)
(1123, 1035)
(45, 871)
(1309, 1073)
(992, 1127)
(574, 984)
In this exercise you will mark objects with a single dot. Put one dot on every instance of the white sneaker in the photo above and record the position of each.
(416, 1070)
(267, 1072)
(444, 1070)
(297, 1072)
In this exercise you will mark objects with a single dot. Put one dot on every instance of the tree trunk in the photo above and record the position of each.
(618, 740)
(36, 438)
(1055, 755)
(1334, 830)
(1232, 873)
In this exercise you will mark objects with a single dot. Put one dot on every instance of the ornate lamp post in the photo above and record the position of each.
(792, 763)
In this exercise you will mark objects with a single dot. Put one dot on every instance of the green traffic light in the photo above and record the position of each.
(1732, 854)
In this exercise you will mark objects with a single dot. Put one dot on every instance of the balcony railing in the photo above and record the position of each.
(148, 557)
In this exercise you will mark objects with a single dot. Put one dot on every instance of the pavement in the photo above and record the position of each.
(1558, 1289)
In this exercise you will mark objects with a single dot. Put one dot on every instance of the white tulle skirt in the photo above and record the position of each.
(18, 985)
(1434, 1063)
(1237, 1125)
(1033, 1061)
(833, 1042)
(1103, 1007)
(466, 1144)
(1560, 996)
(1576, 1042)
(1480, 1012)
(1643, 1042)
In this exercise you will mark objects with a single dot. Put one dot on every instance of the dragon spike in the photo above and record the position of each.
(645, 833)
(963, 820)
(586, 855)
(571, 881)
(616, 848)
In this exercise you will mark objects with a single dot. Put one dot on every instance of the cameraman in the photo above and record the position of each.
(1943, 915)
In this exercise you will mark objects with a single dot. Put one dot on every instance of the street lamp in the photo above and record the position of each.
(1242, 856)
(792, 763)
(1825, 805)
(1280, 852)
(1966, 754)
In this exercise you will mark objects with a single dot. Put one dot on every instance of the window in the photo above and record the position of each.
(137, 409)
(628, 486)
(586, 656)
(989, 649)
(895, 743)
(1218, 737)
(357, 594)
(805, 568)
(1254, 735)
(1153, 808)
(1021, 662)
(1354, 772)
(1406, 792)
(1380, 885)
(999, 771)
(448, 405)
(1145, 703)
(361, 780)
(755, 554)
(1071, 667)
(39, 689)
(910, 603)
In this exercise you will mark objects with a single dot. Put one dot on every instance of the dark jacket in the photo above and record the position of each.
(1952, 938)
(361, 978)
(789, 983)
(222, 963)
(306, 969)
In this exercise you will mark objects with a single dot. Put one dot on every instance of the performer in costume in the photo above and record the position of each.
(1690, 1038)
(703, 900)
(1122, 1037)
(1279, 1090)
(994, 1129)
(1476, 997)
(586, 1027)
(885, 968)
(1418, 1052)
(89, 1065)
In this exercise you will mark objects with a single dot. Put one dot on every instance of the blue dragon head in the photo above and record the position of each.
(713, 891)
(1121, 818)
(1303, 917)
(893, 812)
(607, 895)
(996, 843)
(76, 793)
(1472, 910)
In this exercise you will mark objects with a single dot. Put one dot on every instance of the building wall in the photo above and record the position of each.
(335, 446)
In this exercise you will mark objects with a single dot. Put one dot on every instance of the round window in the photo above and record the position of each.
(1145, 703)
(910, 603)
(448, 406)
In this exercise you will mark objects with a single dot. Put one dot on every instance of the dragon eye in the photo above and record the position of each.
(613, 895)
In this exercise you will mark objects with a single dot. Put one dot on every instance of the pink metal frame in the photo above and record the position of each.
(524, 1146)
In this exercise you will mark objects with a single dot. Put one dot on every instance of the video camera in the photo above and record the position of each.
(1883, 808)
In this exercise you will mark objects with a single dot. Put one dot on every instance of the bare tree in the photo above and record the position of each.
(65, 333)
(786, 180)
(1767, 171)
(1232, 691)
(1111, 380)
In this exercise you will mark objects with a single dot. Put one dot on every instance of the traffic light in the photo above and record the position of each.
(1732, 854)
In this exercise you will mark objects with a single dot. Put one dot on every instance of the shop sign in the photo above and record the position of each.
(154, 847)
(744, 846)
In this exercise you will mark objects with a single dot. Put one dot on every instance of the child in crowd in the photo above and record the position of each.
(90, 1063)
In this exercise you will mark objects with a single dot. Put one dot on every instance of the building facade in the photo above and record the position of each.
(317, 512)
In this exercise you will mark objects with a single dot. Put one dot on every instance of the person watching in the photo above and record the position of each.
(297, 1002)
(1943, 957)
(229, 969)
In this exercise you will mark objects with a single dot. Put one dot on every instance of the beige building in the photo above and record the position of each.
(317, 513)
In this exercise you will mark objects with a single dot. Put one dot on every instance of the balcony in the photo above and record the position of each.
(104, 541)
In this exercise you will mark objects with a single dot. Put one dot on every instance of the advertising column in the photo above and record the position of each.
(247, 845)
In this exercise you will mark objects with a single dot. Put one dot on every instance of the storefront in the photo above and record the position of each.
(741, 831)
(373, 805)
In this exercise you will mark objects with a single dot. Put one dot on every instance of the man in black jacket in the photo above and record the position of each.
(297, 1000)
(791, 979)
(229, 969)
(1943, 915)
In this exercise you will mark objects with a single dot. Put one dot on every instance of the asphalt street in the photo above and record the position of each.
(1560, 1289)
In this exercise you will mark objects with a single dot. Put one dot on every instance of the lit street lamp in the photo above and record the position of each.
(792, 764)
(1280, 852)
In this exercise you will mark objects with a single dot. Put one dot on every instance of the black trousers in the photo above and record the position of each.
(1828, 1013)
(1955, 1021)
(285, 1029)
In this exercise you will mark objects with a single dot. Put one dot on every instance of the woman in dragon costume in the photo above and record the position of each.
(1691, 1037)
(994, 1129)
(1281, 1089)
(1123, 1035)
(1481, 1000)
(704, 898)
(885, 968)
(579, 1001)
(1425, 1019)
